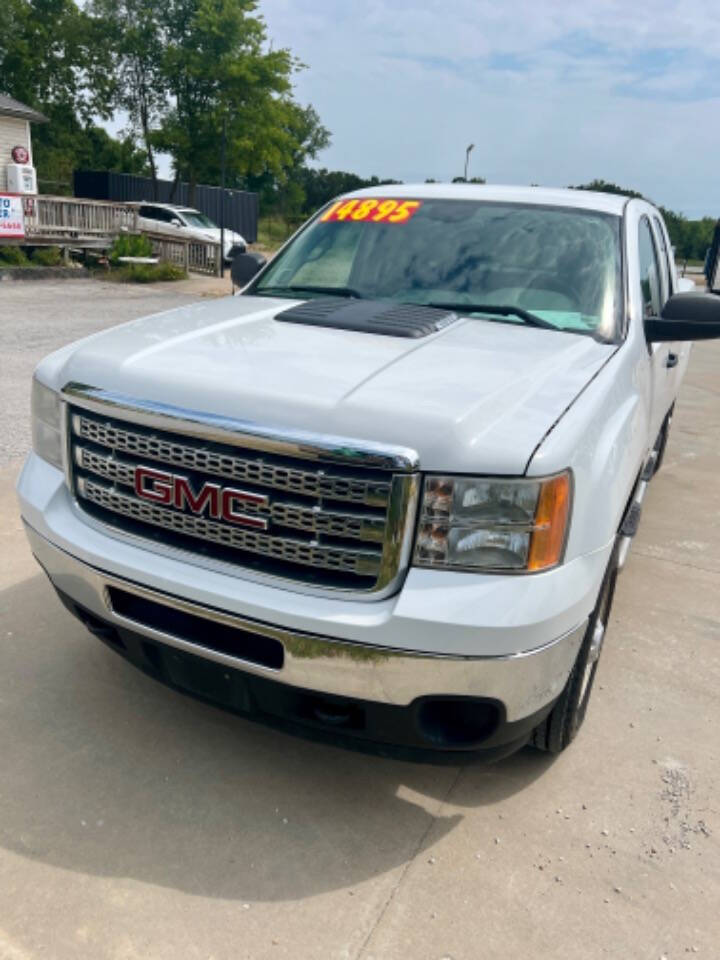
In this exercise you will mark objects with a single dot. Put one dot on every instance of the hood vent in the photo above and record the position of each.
(370, 316)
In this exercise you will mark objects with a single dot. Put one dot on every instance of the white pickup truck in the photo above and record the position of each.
(383, 494)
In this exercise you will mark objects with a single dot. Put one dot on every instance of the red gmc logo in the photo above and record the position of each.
(221, 503)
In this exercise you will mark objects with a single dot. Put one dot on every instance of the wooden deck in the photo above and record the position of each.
(76, 223)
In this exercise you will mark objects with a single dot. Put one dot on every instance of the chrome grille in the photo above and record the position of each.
(328, 525)
(352, 525)
(171, 450)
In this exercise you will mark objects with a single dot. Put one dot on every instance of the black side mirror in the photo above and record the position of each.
(244, 267)
(686, 316)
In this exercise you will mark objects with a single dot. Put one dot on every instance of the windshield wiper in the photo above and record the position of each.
(313, 288)
(531, 319)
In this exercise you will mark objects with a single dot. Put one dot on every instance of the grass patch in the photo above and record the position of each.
(147, 272)
(12, 256)
(273, 231)
(46, 256)
(131, 245)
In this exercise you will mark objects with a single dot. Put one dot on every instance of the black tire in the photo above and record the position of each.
(661, 442)
(561, 726)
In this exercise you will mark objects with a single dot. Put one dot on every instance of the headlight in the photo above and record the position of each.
(487, 524)
(47, 424)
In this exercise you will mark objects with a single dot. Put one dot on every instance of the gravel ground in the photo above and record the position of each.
(137, 823)
(39, 317)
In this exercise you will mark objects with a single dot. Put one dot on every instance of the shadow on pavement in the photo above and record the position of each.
(106, 772)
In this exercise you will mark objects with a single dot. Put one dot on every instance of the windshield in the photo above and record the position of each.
(194, 218)
(559, 264)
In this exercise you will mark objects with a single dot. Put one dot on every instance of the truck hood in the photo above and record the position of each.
(478, 396)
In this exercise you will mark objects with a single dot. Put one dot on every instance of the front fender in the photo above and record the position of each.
(604, 438)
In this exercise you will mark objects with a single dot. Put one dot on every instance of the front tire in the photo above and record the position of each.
(561, 726)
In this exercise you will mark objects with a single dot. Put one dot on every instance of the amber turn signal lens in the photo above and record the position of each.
(551, 518)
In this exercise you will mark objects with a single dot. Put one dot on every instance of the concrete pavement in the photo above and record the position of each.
(137, 823)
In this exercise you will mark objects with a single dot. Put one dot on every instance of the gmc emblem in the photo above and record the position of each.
(221, 503)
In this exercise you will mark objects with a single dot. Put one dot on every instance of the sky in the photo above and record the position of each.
(554, 93)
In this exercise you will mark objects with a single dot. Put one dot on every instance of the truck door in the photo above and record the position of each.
(664, 359)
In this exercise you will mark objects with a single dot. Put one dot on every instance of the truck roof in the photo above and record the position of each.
(544, 196)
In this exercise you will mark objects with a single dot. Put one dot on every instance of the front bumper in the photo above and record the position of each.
(374, 693)
(506, 641)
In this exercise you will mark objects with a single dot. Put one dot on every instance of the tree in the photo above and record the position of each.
(141, 89)
(690, 238)
(217, 71)
(604, 186)
(55, 58)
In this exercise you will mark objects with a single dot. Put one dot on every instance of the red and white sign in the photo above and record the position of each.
(20, 154)
(12, 220)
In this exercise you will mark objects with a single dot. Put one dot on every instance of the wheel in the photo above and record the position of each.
(661, 442)
(560, 727)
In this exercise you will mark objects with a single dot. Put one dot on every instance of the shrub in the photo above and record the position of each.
(11, 256)
(130, 245)
(148, 272)
(46, 256)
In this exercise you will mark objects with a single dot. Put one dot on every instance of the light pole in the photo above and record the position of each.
(222, 196)
(468, 151)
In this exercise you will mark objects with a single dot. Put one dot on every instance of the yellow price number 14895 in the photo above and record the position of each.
(372, 210)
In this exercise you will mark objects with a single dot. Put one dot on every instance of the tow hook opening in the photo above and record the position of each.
(337, 714)
(457, 721)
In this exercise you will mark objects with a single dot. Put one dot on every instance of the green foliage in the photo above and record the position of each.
(65, 145)
(604, 186)
(130, 245)
(306, 190)
(189, 69)
(51, 52)
(46, 256)
(55, 57)
(11, 256)
(690, 238)
(148, 273)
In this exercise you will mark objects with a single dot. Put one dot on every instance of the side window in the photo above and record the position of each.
(649, 271)
(666, 256)
(157, 213)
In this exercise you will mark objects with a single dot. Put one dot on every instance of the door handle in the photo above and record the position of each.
(672, 360)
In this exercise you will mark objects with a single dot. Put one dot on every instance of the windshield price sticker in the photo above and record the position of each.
(372, 211)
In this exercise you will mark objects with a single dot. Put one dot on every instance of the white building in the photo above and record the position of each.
(15, 120)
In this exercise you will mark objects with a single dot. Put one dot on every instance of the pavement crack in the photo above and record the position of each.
(418, 847)
(639, 552)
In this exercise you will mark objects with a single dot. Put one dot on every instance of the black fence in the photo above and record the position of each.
(241, 207)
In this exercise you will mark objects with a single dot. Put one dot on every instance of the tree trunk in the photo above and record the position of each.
(173, 189)
(149, 150)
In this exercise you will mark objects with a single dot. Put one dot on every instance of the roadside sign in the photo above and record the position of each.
(12, 220)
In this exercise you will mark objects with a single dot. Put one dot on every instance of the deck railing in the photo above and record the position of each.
(196, 256)
(72, 218)
(75, 222)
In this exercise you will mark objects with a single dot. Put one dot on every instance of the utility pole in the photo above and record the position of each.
(222, 196)
(468, 151)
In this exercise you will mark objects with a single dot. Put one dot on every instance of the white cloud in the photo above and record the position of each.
(549, 92)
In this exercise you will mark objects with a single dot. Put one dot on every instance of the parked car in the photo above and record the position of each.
(187, 222)
(385, 492)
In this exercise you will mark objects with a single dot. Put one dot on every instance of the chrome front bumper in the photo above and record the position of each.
(524, 683)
